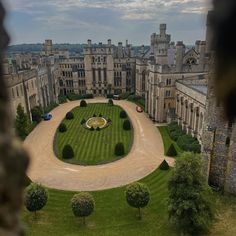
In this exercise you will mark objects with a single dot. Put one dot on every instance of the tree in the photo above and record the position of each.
(119, 149)
(67, 152)
(171, 152)
(137, 196)
(189, 204)
(123, 114)
(35, 198)
(21, 123)
(62, 128)
(110, 102)
(37, 113)
(164, 165)
(83, 103)
(82, 205)
(69, 115)
(126, 125)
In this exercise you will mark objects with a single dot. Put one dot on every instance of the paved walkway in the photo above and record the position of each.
(145, 156)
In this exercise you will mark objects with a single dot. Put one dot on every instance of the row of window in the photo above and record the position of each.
(18, 90)
(99, 59)
(99, 71)
(69, 66)
(168, 93)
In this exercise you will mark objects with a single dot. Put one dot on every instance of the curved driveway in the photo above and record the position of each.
(145, 156)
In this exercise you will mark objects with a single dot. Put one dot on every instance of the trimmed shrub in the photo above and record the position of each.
(100, 115)
(92, 128)
(62, 128)
(67, 152)
(123, 114)
(82, 205)
(94, 115)
(109, 120)
(164, 165)
(126, 125)
(171, 152)
(98, 129)
(37, 113)
(188, 143)
(69, 115)
(83, 122)
(62, 99)
(83, 103)
(110, 102)
(137, 196)
(36, 197)
(119, 149)
(73, 96)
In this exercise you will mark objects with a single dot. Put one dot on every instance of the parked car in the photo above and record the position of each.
(139, 109)
(47, 117)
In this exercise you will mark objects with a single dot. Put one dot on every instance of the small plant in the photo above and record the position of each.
(110, 102)
(36, 197)
(109, 120)
(126, 125)
(98, 128)
(164, 165)
(69, 115)
(82, 205)
(83, 103)
(100, 115)
(171, 152)
(123, 114)
(137, 196)
(62, 128)
(94, 115)
(83, 122)
(92, 128)
(119, 149)
(67, 152)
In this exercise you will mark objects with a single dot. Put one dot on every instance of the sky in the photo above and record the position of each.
(75, 21)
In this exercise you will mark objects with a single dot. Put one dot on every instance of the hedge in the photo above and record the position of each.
(126, 125)
(67, 152)
(69, 115)
(62, 128)
(119, 149)
(83, 103)
(123, 114)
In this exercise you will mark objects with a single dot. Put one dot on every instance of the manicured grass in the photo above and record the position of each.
(167, 140)
(94, 147)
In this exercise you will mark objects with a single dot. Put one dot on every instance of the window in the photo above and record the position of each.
(168, 82)
(168, 93)
(99, 74)
(105, 74)
(94, 76)
(227, 142)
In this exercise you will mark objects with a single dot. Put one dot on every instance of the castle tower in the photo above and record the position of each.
(202, 57)
(180, 51)
(48, 47)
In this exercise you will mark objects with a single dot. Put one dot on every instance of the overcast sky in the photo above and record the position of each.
(74, 21)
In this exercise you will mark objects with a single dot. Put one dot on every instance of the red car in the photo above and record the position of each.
(139, 109)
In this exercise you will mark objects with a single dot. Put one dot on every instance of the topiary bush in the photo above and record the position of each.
(137, 196)
(83, 103)
(126, 125)
(171, 152)
(98, 129)
(83, 122)
(100, 115)
(62, 128)
(123, 114)
(119, 149)
(92, 128)
(110, 102)
(68, 152)
(164, 165)
(69, 115)
(36, 197)
(82, 205)
(109, 120)
(94, 115)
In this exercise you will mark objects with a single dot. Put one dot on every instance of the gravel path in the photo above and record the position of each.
(145, 156)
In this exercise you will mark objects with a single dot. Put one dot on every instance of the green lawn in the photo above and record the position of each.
(94, 147)
(167, 140)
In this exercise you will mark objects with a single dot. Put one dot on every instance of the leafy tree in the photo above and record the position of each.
(137, 196)
(83, 103)
(126, 125)
(69, 115)
(164, 165)
(36, 197)
(171, 152)
(67, 152)
(189, 204)
(110, 102)
(37, 113)
(21, 123)
(82, 205)
(119, 149)
(62, 128)
(123, 114)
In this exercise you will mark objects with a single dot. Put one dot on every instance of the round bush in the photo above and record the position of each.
(36, 197)
(83, 103)
(69, 115)
(92, 129)
(119, 149)
(109, 120)
(164, 165)
(123, 114)
(171, 152)
(98, 129)
(137, 195)
(62, 128)
(82, 205)
(94, 115)
(83, 122)
(126, 125)
(100, 115)
(67, 152)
